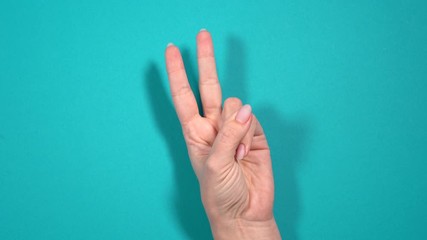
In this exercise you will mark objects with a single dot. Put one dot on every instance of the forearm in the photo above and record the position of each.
(244, 229)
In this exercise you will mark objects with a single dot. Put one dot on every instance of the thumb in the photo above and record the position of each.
(231, 134)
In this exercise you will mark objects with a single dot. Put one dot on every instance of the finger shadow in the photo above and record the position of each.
(187, 206)
(287, 140)
(235, 70)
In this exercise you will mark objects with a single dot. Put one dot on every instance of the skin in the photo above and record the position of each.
(228, 150)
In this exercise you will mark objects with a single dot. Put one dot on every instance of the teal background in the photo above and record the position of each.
(90, 146)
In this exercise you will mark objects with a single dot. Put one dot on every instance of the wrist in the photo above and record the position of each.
(239, 228)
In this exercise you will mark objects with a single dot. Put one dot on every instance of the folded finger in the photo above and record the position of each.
(247, 139)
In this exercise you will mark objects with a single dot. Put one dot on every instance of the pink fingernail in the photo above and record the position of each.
(240, 153)
(244, 114)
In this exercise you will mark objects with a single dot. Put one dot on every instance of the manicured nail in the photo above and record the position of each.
(240, 153)
(244, 114)
(203, 29)
(169, 44)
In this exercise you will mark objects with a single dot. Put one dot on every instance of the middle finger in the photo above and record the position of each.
(210, 89)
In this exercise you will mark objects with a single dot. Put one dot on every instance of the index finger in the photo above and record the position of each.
(182, 95)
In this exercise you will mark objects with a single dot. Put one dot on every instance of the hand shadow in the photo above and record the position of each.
(187, 204)
(286, 140)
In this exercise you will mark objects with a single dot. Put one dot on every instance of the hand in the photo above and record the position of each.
(228, 150)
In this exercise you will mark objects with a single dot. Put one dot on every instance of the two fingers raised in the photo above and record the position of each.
(211, 96)
(210, 90)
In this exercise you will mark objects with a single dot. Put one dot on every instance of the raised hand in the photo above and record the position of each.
(227, 148)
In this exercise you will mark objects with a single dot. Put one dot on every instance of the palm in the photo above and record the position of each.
(251, 191)
(255, 180)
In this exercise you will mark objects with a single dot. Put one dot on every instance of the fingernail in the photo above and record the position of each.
(240, 153)
(203, 29)
(169, 44)
(244, 114)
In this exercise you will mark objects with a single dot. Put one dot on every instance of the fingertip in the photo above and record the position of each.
(173, 59)
(168, 48)
(244, 114)
(171, 48)
(240, 152)
(203, 35)
(172, 52)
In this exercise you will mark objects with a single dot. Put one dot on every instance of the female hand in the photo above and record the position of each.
(228, 150)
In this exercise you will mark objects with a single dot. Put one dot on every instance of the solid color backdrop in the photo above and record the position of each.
(90, 146)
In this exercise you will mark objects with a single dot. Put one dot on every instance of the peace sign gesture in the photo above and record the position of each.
(227, 148)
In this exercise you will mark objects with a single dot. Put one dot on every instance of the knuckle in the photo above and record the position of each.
(188, 130)
(233, 102)
(254, 118)
(181, 91)
(209, 81)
